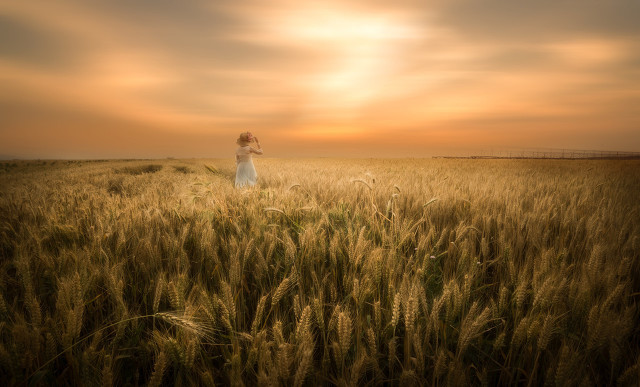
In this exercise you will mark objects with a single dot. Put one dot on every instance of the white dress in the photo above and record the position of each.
(245, 171)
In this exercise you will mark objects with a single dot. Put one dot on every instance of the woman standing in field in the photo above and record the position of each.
(245, 171)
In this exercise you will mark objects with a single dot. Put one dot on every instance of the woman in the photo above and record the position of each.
(245, 171)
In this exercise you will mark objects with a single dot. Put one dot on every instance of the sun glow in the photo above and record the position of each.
(359, 51)
(332, 132)
(194, 74)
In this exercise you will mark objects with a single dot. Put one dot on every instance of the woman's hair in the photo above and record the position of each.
(245, 138)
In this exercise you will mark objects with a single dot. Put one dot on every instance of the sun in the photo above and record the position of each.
(358, 48)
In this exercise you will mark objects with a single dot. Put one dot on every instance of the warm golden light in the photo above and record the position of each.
(192, 76)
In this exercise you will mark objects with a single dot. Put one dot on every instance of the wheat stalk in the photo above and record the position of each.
(188, 323)
(344, 333)
(158, 293)
(158, 370)
(395, 312)
(472, 327)
(302, 370)
(362, 182)
(283, 288)
(273, 209)
(258, 317)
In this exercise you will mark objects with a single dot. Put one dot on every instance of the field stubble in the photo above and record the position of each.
(329, 272)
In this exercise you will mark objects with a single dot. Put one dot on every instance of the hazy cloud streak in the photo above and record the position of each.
(320, 77)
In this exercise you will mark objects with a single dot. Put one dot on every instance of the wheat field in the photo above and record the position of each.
(329, 272)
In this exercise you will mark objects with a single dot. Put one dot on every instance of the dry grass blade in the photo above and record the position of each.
(212, 169)
(361, 182)
(273, 209)
(430, 202)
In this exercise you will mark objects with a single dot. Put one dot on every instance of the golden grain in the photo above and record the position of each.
(158, 370)
(473, 272)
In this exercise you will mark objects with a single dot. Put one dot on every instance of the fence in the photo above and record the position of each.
(539, 153)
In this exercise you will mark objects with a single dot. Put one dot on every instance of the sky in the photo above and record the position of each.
(405, 78)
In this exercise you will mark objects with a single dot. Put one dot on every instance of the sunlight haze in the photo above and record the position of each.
(154, 79)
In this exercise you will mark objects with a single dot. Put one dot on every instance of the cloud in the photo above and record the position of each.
(546, 20)
(32, 45)
(461, 72)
